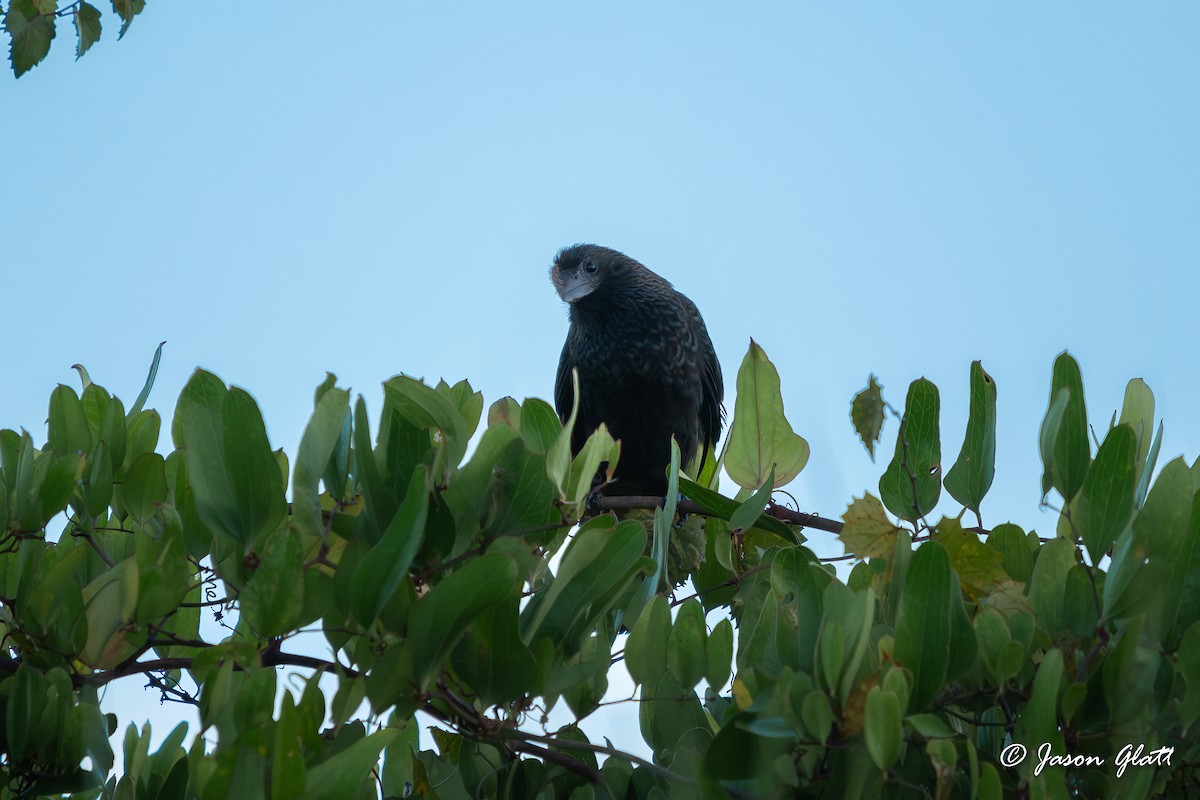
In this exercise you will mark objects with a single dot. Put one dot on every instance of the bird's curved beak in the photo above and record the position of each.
(571, 287)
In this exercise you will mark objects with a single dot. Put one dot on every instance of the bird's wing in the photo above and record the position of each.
(712, 387)
(564, 390)
(712, 390)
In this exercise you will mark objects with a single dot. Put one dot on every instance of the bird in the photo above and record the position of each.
(647, 368)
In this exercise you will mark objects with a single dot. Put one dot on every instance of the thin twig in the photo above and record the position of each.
(87, 537)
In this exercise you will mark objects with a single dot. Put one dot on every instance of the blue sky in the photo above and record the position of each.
(887, 188)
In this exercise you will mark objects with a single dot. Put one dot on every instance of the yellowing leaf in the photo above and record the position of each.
(868, 533)
(980, 568)
(741, 694)
(1009, 598)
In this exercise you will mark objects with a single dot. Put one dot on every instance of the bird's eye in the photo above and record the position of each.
(589, 265)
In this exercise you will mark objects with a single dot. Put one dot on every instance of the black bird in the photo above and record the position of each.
(647, 368)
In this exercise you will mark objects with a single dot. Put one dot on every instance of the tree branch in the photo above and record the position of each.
(686, 506)
(271, 658)
(561, 759)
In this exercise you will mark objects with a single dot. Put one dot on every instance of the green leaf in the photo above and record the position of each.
(1065, 449)
(1048, 434)
(1165, 542)
(251, 468)
(930, 726)
(1187, 669)
(1183, 604)
(337, 469)
(54, 606)
(990, 787)
(1072, 699)
(272, 599)
(95, 733)
(23, 712)
(719, 655)
(200, 413)
(539, 426)
(595, 568)
(27, 509)
(380, 501)
(558, 452)
(799, 588)
(1148, 468)
(1010, 541)
(144, 487)
(1169, 583)
(1137, 411)
(427, 408)
(912, 482)
(922, 642)
(1106, 501)
(749, 511)
(686, 656)
(503, 487)
(735, 752)
(143, 395)
(113, 431)
(163, 574)
(858, 614)
(667, 712)
(127, 10)
(505, 411)
(398, 757)
(288, 774)
(110, 601)
(69, 432)
(971, 476)
(1048, 585)
(57, 483)
(883, 730)
(646, 647)
(141, 436)
(725, 508)
(339, 777)
(866, 414)
(316, 446)
(867, 532)
(468, 402)
(87, 27)
(184, 623)
(450, 606)
(85, 379)
(660, 536)
(943, 757)
(1038, 723)
(1123, 583)
(31, 30)
(817, 715)
(599, 447)
(963, 647)
(1130, 671)
(492, 659)
(377, 576)
(761, 439)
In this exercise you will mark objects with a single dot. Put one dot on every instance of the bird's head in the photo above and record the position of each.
(581, 269)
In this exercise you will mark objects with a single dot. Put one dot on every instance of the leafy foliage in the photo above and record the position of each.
(31, 26)
(457, 590)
